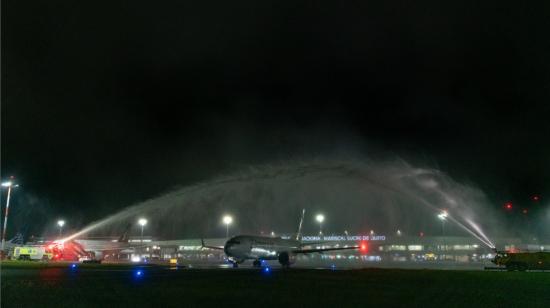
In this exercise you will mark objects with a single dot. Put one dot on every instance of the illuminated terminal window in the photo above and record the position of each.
(397, 248)
(190, 247)
(415, 247)
(139, 241)
(464, 247)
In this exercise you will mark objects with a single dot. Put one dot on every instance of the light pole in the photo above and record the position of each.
(227, 220)
(142, 222)
(9, 185)
(60, 223)
(320, 218)
(443, 217)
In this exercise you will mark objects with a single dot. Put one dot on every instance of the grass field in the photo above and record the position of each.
(39, 285)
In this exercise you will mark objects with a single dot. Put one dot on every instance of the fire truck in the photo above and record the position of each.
(522, 261)
(67, 251)
(35, 253)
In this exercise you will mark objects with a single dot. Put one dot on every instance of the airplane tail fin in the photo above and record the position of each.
(124, 236)
(17, 239)
(299, 233)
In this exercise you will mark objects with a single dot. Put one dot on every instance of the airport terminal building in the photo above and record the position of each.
(380, 249)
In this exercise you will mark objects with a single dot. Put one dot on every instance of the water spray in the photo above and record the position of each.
(480, 236)
(383, 187)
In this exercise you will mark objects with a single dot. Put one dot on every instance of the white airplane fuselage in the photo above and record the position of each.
(245, 247)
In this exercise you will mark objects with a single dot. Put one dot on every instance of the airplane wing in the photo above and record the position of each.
(87, 245)
(323, 249)
(211, 247)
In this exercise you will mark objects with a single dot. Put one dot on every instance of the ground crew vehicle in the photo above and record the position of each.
(35, 253)
(522, 261)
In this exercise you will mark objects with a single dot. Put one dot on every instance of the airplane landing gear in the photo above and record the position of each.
(284, 259)
(235, 263)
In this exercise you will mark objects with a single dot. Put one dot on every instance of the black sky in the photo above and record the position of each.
(107, 103)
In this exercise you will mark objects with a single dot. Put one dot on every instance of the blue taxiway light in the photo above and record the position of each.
(267, 269)
(73, 265)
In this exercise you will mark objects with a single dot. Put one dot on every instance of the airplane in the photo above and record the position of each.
(93, 249)
(240, 248)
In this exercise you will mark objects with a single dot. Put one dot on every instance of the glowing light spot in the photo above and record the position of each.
(363, 247)
(73, 265)
(267, 269)
(508, 206)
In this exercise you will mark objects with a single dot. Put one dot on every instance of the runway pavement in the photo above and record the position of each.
(213, 284)
(67, 270)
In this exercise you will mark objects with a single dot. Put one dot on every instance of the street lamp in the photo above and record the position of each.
(320, 218)
(443, 217)
(142, 222)
(227, 220)
(60, 223)
(9, 185)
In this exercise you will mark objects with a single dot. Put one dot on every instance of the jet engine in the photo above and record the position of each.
(286, 258)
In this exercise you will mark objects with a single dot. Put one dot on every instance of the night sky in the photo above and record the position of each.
(107, 103)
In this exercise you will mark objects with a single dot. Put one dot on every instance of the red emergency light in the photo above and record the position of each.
(508, 206)
(363, 247)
